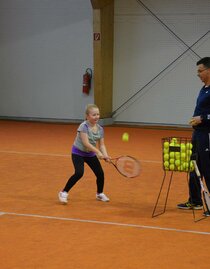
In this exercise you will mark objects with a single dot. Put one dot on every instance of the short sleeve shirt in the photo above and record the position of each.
(93, 137)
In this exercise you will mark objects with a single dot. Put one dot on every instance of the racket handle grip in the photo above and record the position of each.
(196, 168)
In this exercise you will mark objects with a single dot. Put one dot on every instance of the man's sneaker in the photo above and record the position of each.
(102, 197)
(188, 206)
(63, 197)
(206, 214)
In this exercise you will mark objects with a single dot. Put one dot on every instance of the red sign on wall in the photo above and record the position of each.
(97, 36)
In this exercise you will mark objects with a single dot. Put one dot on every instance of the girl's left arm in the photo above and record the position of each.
(102, 148)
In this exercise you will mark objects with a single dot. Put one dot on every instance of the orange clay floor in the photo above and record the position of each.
(37, 232)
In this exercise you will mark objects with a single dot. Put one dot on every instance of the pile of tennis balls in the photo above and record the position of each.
(177, 154)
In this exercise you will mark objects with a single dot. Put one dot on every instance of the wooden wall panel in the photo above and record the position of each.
(97, 4)
(103, 28)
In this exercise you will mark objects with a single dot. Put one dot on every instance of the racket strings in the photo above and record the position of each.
(128, 166)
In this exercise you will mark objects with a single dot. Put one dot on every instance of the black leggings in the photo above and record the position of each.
(93, 163)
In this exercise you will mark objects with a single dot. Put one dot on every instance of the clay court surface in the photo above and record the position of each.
(37, 232)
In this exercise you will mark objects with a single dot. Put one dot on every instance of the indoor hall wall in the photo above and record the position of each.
(144, 48)
(45, 47)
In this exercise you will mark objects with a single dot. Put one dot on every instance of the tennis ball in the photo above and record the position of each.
(189, 152)
(125, 137)
(174, 140)
(177, 155)
(182, 147)
(166, 164)
(177, 162)
(171, 161)
(166, 144)
(187, 145)
(166, 150)
(191, 166)
(181, 168)
(177, 145)
(172, 144)
(166, 157)
(172, 154)
(185, 165)
(171, 167)
(187, 159)
(183, 156)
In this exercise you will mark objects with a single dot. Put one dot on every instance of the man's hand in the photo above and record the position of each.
(195, 121)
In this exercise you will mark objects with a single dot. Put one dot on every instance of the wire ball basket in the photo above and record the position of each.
(176, 154)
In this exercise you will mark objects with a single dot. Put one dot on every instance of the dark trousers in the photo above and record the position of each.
(93, 163)
(201, 149)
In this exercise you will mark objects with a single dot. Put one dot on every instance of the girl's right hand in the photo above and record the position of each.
(100, 155)
(107, 159)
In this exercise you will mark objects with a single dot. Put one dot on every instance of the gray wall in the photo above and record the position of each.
(45, 47)
(147, 42)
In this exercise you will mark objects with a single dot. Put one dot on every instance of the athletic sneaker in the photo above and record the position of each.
(63, 197)
(102, 197)
(206, 214)
(188, 205)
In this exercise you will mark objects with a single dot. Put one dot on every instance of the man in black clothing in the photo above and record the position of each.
(200, 138)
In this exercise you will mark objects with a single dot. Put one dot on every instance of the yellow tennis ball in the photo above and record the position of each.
(183, 148)
(189, 152)
(174, 140)
(166, 164)
(171, 167)
(166, 157)
(171, 161)
(166, 150)
(125, 137)
(166, 144)
(172, 154)
(185, 165)
(187, 145)
(172, 144)
(191, 166)
(177, 162)
(183, 156)
(181, 168)
(177, 155)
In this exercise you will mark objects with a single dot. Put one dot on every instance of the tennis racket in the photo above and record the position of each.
(205, 193)
(127, 166)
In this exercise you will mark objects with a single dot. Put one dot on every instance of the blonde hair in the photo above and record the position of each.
(89, 107)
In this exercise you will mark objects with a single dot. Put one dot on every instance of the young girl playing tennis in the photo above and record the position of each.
(84, 150)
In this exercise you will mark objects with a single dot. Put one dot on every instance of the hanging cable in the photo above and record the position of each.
(166, 26)
(161, 72)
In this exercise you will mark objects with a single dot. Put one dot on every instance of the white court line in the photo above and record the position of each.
(34, 153)
(106, 223)
(55, 155)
